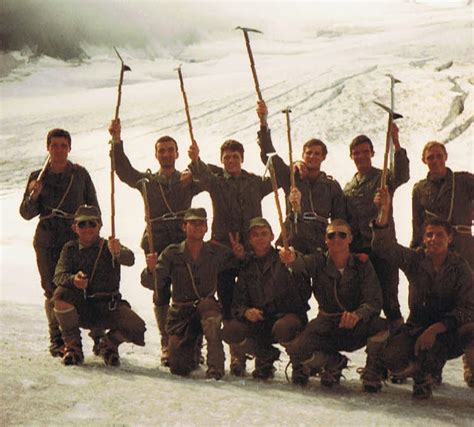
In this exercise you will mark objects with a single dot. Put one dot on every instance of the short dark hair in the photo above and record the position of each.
(438, 222)
(166, 138)
(58, 133)
(317, 142)
(232, 145)
(358, 140)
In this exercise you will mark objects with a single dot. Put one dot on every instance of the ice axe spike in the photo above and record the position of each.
(392, 113)
(252, 62)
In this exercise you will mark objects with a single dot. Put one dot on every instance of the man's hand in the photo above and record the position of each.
(426, 340)
(151, 261)
(348, 320)
(295, 199)
(287, 256)
(34, 188)
(115, 130)
(114, 246)
(237, 247)
(262, 113)
(80, 280)
(186, 177)
(382, 201)
(253, 315)
(300, 167)
(193, 152)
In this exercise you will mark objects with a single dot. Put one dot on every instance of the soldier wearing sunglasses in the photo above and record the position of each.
(349, 299)
(88, 291)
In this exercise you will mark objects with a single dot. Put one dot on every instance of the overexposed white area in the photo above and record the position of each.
(326, 60)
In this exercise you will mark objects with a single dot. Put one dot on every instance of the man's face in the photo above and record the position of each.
(435, 159)
(195, 229)
(313, 157)
(338, 238)
(87, 231)
(166, 154)
(260, 239)
(436, 240)
(232, 161)
(362, 156)
(59, 149)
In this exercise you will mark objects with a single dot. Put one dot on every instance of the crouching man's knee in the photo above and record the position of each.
(287, 328)
(234, 331)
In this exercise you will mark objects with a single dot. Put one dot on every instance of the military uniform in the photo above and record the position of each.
(61, 195)
(168, 198)
(266, 284)
(449, 198)
(445, 296)
(100, 304)
(361, 210)
(322, 199)
(355, 290)
(235, 201)
(194, 310)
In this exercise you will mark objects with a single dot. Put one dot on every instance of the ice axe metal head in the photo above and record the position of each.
(124, 66)
(394, 80)
(394, 115)
(287, 110)
(246, 30)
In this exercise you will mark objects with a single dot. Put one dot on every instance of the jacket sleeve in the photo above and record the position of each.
(126, 256)
(29, 208)
(146, 279)
(125, 171)
(464, 311)
(401, 170)
(417, 218)
(264, 140)
(64, 273)
(384, 244)
(203, 175)
(338, 204)
(371, 303)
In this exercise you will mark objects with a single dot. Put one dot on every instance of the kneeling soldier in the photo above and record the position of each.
(350, 299)
(193, 266)
(440, 326)
(87, 295)
(269, 304)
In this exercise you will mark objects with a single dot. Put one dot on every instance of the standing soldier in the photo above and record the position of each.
(170, 193)
(193, 267)
(236, 198)
(54, 194)
(449, 196)
(361, 210)
(446, 195)
(349, 299)
(321, 195)
(87, 294)
(269, 304)
(441, 301)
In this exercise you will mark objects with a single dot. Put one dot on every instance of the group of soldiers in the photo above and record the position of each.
(238, 288)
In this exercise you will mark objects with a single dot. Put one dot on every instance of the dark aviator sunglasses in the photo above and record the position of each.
(341, 234)
(85, 224)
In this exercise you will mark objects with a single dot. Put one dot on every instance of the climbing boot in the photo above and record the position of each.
(264, 369)
(161, 313)
(73, 354)
(69, 322)
(56, 343)
(332, 372)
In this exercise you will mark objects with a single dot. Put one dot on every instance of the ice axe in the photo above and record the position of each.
(393, 82)
(295, 209)
(123, 68)
(186, 105)
(41, 174)
(269, 167)
(388, 139)
(252, 62)
(149, 231)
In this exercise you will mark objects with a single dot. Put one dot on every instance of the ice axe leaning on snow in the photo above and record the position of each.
(123, 68)
(388, 142)
(252, 62)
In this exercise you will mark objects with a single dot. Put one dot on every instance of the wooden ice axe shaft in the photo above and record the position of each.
(186, 105)
(252, 62)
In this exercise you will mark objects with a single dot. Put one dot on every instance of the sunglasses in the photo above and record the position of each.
(341, 234)
(85, 224)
